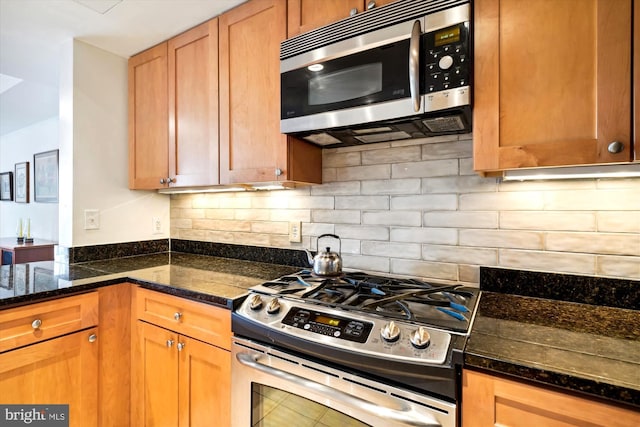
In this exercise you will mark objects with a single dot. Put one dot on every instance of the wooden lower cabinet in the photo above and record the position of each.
(62, 370)
(488, 400)
(178, 381)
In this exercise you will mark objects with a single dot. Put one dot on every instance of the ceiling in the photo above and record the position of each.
(33, 31)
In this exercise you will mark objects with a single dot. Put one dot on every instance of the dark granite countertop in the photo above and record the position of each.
(592, 350)
(209, 279)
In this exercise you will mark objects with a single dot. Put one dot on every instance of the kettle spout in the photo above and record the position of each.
(309, 257)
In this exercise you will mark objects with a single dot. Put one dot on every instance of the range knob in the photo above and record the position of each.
(273, 306)
(255, 303)
(420, 338)
(390, 332)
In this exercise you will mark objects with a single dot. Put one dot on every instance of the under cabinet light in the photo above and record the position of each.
(267, 186)
(575, 172)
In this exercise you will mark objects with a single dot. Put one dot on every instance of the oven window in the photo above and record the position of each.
(345, 84)
(272, 407)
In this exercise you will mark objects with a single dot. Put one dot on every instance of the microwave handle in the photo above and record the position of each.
(414, 65)
(403, 416)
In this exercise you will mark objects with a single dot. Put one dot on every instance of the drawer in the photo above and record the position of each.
(195, 319)
(28, 324)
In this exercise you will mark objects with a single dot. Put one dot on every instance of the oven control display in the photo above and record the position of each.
(333, 326)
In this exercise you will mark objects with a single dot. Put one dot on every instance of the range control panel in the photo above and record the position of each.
(446, 58)
(330, 325)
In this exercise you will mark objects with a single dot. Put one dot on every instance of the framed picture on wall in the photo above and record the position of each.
(45, 177)
(6, 186)
(22, 182)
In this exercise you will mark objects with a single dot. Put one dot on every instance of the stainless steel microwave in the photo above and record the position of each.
(400, 71)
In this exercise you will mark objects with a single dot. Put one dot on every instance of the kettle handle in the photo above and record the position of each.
(330, 235)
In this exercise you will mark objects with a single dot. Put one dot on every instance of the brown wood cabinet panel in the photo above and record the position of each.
(193, 106)
(154, 376)
(114, 339)
(205, 384)
(307, 15)
(29, 324)
(551, 82)
(251, 145)
(63, 370)
(492, 401)
(636, 79)
(148, 115)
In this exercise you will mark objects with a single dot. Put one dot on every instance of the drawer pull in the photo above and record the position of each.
(177, 316)
(36, 324)
(180, 346)
(93, 338)
(169, 343)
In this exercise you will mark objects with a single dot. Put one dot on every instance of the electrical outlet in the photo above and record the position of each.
(91, 219)
(156, 225)
(295, 231)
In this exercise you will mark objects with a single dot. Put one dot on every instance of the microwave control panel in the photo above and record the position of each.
(446, 55)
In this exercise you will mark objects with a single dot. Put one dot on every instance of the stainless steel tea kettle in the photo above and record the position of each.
(326, 263)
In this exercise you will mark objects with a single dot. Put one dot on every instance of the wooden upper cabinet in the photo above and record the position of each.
(148, 132)
(307, 15)
(252, 149)
(552, 83)
(193, 106)
(636, 79)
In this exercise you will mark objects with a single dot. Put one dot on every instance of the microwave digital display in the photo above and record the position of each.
(448, 35)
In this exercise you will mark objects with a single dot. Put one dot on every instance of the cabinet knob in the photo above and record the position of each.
(36, 324)
(162, 181)
(353, 12)
(93, 338)
(278, 172)
(371, 5)
(170, 180)
(177, 315)
(169, 343)
(180, 346)
(615, 147)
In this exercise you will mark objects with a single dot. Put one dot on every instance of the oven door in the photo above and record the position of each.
(271, 387)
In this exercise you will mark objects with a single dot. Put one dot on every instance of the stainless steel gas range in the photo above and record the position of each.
(354, 349)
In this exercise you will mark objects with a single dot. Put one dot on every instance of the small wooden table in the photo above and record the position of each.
(19, 253)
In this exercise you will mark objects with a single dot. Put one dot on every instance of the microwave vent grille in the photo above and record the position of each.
(370, 20)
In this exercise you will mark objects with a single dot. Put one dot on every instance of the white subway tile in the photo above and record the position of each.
(266, 227)
(593, 200)
(425, 269)
(329, 175)
(459, 254)
(391, 155)
(392, 250)
(502, 201)
(391, 186)
(336, 189)
(181, 223)
(427, 202)
(303, 215)
(252, 239)
(595, 243)
(220, 213)
(466, 168)
(618, 222)
(235, 202)
(459, 219)
(544, 185)
(181, 201)
(318, 228)
(469, 274)
(502, 239)
(458, 184)
(219, 236)
(364, 173)
(312, 202)
(252, 214)
(557, 262)
(366, 263)
(447, 150)
(401, 218)
(190, 234)
(362, 202)
(187, 213)
(441, 236)
(618, 266)
(341, 159)
(362, 232)
(336, 217)
(425, 169)
(557, 221)
(609, 183)
(221, 225)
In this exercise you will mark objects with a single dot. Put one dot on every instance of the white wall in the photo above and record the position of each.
(18, 147)
(94, 153)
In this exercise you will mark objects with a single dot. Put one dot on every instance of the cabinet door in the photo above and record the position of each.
(551, 82)
(59, 371)
(636, 80)
(193, 106)
(493, 401)
(251, 145)
(148, 130)
(155, 377)
(307, 15)
(205, 384)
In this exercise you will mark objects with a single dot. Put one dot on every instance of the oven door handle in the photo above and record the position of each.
(403, 416)
(414, 65)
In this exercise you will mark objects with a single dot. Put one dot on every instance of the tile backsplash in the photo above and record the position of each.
(417, 208)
